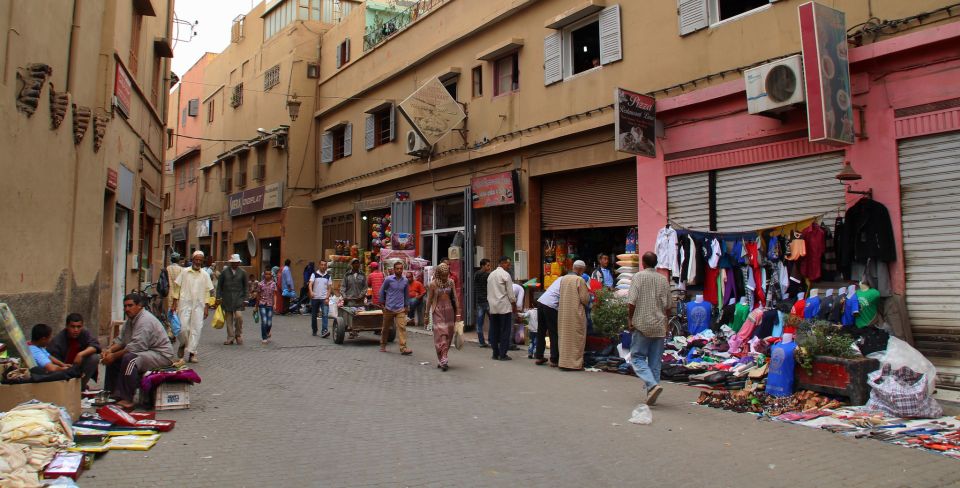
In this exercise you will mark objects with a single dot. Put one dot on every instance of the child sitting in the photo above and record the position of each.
(40, 336)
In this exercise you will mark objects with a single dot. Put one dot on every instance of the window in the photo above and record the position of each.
(694, 15)
(309, 10)
(336, 10)
(236, 99)
(169, 138)
(271, 77)
(451, 86)
(336, 143)
(155, 83)
(134, 61)
(236, 31)
(260, 170)
(278, 18)
(343, 53)
(166, 201)
(182, 177)
(242, 170)
(582, 45)
(725, 9)
(506, 74)
(211, 110)
(193, 107)
(206, 180)
(380, 127)
(243, 70)
(477, 75)
(226, 184)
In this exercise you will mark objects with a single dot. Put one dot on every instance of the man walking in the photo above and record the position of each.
(393, 295)
(77, 346)
(503, 308)
(319, 289)
(480, 293)
(173, 272)
(190, 303)
(547, 307)
(354, 285)
(231, 293)
(648, 305)
(375, 282)
(287, 286)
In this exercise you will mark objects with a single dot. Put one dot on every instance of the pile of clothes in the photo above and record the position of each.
(704, 360)
(31, 434)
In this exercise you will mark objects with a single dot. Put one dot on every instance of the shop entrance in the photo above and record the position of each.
(269, 253)
(121, 226)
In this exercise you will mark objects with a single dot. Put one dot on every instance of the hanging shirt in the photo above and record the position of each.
(836, 314)
(773, 249)
(740, 313)
(798, 308)
(850, 308)
(815, 244)
(796, 249)
(713, 259)
(811, 308)
(827, 304)
(868, 301)
(699, 317)
(666, 249)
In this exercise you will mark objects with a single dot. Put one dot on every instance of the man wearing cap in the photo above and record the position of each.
(572, 317)
(231, 292)
(190, 302)
(354, 285)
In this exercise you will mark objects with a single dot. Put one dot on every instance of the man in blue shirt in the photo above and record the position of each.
(40, 336)
(603, 274)
(393, 297)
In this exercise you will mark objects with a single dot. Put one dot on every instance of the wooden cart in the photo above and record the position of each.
(353, 322)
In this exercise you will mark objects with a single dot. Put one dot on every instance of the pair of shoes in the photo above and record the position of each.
(484, 344)
(529, 356)
(239, 341)
(180, 350)
(264, 342)
(194, 359)
(228, 343)
(506, 358)
(383, 348)
(653, 394)
(406, 352)
(540, 362)
(495, 357)
(553, 364)
(444, 368)
(325, 334)
(314, 333)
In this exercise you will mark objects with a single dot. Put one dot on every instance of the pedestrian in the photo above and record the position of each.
(190, 303)
(307, 273)
(503, 308)
(480, 295)
(516, 332)
(415, 303)
(173, 272)
(354, 285)
(547, 310)
(278, 302)
(393, 295)
(603, 274)
(142, 346)
(375, 282)
(76, 345)
(444, 312)
(572, 318)
(287, 286)
(648, 305)
(266, 295)
(231, 293)
(319, 289)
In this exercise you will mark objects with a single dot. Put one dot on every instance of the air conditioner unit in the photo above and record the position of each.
(775, 87)
(279, 141)
(415, 145)
(520, 269)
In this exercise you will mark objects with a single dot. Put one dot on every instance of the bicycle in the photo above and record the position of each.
(154, 305)
(677, 325)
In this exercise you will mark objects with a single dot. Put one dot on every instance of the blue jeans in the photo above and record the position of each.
(533, 343)
(415, 309)
(324, 308)
(646, 354)
(266, 321)
(483, 310)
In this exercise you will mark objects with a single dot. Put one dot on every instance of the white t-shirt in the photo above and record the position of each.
(518, 291)
(551, 297)
(320, 285)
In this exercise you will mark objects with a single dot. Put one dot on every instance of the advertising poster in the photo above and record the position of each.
(635, 121)
(826, 68)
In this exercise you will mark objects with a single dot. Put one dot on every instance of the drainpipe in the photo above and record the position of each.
(6, 49)
(73, 40)
(68, 286)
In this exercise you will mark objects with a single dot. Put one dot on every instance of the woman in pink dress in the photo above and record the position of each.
(444, 312)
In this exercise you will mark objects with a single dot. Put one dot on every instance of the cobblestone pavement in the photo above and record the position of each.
(306, 412)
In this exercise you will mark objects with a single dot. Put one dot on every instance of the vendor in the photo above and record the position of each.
(354, 285)
(602, 274)
(142, 346)
(77, 346)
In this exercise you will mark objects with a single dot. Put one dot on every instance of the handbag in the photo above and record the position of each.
(458, 335)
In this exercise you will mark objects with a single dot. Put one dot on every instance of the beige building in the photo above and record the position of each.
(82, 131)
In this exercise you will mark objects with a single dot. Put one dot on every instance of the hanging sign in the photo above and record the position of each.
(122, 90)
(494, 190)
(826, 69)
(635, 120)
(431, 111)
(256, 199)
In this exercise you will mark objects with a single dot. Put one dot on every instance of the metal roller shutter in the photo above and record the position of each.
(605, 196)
(688, 200)
(929, 185)
(771, 194)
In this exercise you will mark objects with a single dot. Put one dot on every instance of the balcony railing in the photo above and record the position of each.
(387, 23)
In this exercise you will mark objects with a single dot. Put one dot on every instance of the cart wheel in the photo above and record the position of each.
(339, 329)
(393, 334)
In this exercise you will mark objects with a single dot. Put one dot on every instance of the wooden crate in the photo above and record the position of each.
(172, 396)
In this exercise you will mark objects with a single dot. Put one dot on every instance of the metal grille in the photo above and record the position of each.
(271, 77)
(604, 196)
(688, 201)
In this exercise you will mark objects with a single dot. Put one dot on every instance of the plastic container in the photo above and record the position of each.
(782, 364)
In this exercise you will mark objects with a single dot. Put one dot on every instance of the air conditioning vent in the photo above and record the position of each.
(313, 70)
(775, 87)
(415, 145)
(279, 141)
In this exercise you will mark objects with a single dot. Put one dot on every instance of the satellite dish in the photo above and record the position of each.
(251, 243)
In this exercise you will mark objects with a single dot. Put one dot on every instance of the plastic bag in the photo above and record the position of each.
(458, 335)
(899, 354)
(218, 319)
(174, 323)
(642, 415)
(901, 393)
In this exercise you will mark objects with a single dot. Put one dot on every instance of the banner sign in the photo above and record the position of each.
(122, 90)
(826, 69)
(256, 199)
(494, 190)
(431, 111)
(635, 121)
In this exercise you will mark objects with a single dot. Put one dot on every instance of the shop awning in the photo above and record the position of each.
(151, 204)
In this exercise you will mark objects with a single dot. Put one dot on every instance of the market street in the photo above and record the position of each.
(306, 412)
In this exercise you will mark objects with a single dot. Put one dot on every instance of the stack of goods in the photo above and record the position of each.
(381, 232)
(559, 255)
(113, 429)
(758, 402)
(31, 434)
(704, 360)
(628, 264)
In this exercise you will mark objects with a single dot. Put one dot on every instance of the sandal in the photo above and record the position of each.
(239, 341)
(228, 343)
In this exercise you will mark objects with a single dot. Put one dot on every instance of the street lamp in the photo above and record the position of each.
(293, 107)
(848, 174)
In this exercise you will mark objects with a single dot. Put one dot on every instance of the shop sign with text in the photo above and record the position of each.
(635, 121)
(122, 90)
(256, 199)
(493, 190)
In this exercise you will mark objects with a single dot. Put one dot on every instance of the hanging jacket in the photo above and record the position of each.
(868, 233)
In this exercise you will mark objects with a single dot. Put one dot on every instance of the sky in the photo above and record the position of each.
(213, 31)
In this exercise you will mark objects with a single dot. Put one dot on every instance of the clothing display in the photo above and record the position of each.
(811, 308)
(867, 304)
(827, 305)
(814, 239)
(851, 307)
(740, 313)
(699, 316)
(666, 250)
(868, 233)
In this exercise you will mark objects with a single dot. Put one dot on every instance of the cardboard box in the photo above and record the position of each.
(172, 396)
(63, 393)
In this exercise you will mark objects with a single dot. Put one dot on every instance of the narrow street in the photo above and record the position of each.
(306, 412)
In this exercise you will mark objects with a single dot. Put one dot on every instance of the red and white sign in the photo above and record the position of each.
(112, 178)
(122, 90)
(826, 70)
(493, 190)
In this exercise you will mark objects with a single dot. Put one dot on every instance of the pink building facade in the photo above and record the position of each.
(906, 90)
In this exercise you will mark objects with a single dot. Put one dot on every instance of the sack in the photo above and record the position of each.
(628, 269)
(256, 315)
(458, 335)
(902, 393)
(218, 319)
(211, 301)
(899, 354)
(163, 284)
(174, 323)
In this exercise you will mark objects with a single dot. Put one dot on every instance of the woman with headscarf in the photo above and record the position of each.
(444, 312)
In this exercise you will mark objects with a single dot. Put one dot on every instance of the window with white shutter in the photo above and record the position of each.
(552, 59)
(348, 140)
(594, 40)
(326, 147)
(692, 15)
(611, 47)
(369, 130)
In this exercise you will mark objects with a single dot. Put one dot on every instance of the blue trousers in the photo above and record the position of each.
(483, 311)
(324, 308)
(646, 354)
